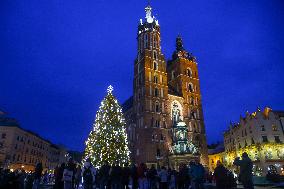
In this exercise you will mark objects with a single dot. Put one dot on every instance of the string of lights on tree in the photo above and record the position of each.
(108, 139)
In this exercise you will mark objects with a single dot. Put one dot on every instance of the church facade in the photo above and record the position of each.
(164, 116)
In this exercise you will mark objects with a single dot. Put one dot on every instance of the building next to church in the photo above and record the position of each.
(261, 135)
(23, 149)
(164, 116)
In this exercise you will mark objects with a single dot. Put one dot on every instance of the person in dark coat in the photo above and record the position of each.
(115, 177)
(104, 175)
(58, 174)
(37, 175)
(152, 177)
(245, 170)
(134, 176)
(220, 175)
(125, 176)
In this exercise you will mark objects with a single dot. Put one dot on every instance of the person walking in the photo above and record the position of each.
(220, 175)
(246, 166)
(89, 174)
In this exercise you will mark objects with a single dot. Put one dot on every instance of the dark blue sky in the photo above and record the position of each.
(58, 57)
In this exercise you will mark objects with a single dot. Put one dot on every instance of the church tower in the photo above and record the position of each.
(183, 81)
(150, 93)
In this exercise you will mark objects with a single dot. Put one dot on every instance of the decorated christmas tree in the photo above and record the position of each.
(108, 140)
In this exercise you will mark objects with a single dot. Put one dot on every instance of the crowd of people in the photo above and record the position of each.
(75, 176)
(192, 176)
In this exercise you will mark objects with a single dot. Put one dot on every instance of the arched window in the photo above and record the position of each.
(155, 66)
(156, 92)
(158, 152)
(188, 72)
(154, 41)
(157, 107)
(155, 55)
(155, 79)
(157, 123)
(145, 40)
(190, 87)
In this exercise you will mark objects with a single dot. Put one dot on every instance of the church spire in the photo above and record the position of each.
(179, 43)
(148, 11)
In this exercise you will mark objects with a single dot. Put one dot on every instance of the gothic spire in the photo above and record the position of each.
(179, 43)
(148, 11)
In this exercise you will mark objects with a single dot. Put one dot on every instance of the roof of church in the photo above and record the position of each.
(127, 104)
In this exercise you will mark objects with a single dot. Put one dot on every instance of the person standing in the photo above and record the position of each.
(197, 174)
(89, 175)
(142, 180)
(58, 174)
(134, 177)
(246, 166)
(104, 175)
(37, 176)
(125, 176)
(152, 177)
(115, 176)
(220, 175)
(78, 176)
(163, 174)
(68, 176)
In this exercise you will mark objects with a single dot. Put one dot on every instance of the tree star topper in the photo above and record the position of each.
(109, 89)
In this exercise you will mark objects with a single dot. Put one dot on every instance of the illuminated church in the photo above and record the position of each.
(164, 116)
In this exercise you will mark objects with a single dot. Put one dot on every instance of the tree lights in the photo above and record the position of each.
(108, 140)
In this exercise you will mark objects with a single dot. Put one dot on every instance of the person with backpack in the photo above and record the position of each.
(89, 175)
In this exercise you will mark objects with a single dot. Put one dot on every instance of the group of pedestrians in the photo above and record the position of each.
(75, 176)
(134, 177)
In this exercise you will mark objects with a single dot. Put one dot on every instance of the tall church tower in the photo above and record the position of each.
(184, 81)
(150, 93)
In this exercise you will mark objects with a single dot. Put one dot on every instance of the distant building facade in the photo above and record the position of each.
(260, 134)
(165, 94)
(22, 149)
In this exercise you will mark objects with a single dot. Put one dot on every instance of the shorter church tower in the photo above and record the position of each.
(183, 81)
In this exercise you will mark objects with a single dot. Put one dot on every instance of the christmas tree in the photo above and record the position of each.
(108, 140)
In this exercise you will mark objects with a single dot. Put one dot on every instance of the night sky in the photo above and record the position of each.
(58, 57)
